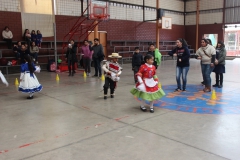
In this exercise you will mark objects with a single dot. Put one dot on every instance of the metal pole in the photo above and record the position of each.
(54, 31)
(55, 43)
(143, 10)
(157, 25)
(197, 24)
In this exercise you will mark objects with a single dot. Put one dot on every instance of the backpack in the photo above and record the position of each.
(50, 62)
(53, 67)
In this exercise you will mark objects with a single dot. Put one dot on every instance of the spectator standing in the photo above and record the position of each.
(98, 56)
(220, 64)
(71, 57)
(87, 57)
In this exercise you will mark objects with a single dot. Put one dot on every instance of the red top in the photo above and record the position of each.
(148, 72)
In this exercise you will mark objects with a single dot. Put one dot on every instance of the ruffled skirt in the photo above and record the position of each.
(148, 96)
(29, 84)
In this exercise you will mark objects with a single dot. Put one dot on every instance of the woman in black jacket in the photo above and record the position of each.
(71, 57)
(182, 53)
(220, 64)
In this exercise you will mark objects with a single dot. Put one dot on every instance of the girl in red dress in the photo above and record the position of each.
(147, 86)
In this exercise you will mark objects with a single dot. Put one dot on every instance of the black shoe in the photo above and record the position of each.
(220, 86)
(74, 71)
(202, 83)
(30, 97)
(143, 109)
(215, 85)
(105, 97)
(95, 75)
(112, 96)
(151, 110)
(178, 89)
(184, 90)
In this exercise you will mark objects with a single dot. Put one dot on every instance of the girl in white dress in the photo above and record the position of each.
(28, 81)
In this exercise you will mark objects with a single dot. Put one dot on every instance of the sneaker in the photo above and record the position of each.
(144, 109)
(151, 110)
(178, 89)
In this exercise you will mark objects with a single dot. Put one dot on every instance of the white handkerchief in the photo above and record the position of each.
(141, 87)
(38, 69)
(114, 77)
(3, 79)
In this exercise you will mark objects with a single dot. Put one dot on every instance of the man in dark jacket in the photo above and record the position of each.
(97, 57)
(71, 57)
(137, 60)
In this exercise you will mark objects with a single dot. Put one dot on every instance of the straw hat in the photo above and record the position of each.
(114, 55)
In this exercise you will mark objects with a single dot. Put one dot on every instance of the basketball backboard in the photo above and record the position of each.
(98, 10)
(166, 23)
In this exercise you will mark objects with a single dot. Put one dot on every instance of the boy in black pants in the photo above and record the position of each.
(112, 72)
(137, 60)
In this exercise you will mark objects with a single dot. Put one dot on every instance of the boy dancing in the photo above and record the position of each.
(112, 72)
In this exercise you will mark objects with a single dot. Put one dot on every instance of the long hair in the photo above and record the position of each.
(30, 65)
(209, 41)
(222, 44)
(147, 57)
(24, 34)
(183, 41)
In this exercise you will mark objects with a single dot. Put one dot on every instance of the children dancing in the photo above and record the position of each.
(28, 81)
(147, 86)
(112, 72)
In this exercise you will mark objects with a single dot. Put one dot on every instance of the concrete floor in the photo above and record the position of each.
(69, 120)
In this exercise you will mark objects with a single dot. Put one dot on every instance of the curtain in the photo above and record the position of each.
(37, 15)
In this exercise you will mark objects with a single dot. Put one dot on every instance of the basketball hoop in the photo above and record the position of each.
(99, 10)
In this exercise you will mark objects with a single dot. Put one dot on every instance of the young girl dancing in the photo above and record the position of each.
(28, 81)
(147, 86)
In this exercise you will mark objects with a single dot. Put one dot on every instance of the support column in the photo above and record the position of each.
(96, 30)
(197, 25)
(157, 25)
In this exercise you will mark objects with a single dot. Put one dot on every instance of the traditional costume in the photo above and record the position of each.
(112, 71)
(29, 82)
(147, 86)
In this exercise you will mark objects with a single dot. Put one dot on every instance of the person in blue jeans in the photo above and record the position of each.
(183, 55)
(207, 54)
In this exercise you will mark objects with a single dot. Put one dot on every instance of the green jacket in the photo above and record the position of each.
(158, 56)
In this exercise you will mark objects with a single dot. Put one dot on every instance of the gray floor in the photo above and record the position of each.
(70, 120)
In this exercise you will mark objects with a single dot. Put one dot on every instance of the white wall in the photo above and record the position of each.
(10, 5)
(209, 17)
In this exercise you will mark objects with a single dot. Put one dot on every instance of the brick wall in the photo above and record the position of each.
(203, 29)
(116, 29)
(13, 21)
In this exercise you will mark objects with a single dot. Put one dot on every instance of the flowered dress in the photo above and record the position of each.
(29, 82)
(147, 85)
